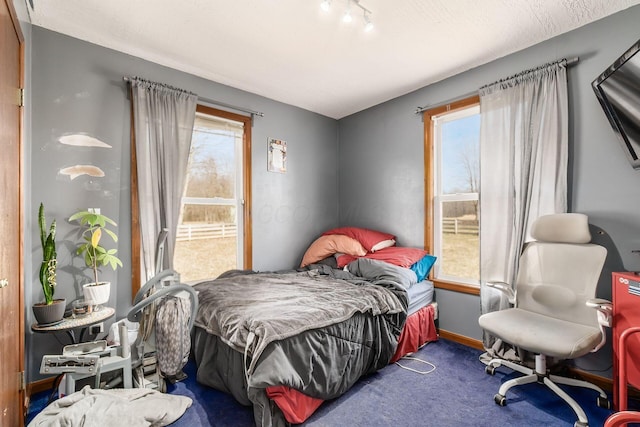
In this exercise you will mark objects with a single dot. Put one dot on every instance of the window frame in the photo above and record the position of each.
(428, 117)
(136, 262)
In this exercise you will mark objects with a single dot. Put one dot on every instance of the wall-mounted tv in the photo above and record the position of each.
(618, 90)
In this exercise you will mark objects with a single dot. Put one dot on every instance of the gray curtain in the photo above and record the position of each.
(523, 158)
(163, 119)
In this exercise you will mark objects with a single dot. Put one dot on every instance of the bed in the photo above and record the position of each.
(283, 342)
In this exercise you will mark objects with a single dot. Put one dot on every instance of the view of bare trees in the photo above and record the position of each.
(460, 209)
(207, 243)
(468, 181)
(206, 181)
(470, 161)
(460, 244)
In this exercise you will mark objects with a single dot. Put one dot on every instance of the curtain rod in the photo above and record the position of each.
(418, 110)
(218, 103)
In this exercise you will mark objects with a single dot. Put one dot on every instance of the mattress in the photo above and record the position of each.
(419, 295)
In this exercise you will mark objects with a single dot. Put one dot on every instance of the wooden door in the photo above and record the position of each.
(11, 288)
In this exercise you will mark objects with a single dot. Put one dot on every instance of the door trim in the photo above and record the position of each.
(22, 397)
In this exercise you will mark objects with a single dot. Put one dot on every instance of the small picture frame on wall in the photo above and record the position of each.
(276, 155)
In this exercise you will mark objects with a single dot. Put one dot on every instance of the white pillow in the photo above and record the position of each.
(383, 244)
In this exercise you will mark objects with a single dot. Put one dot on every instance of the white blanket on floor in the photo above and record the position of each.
(118, 407)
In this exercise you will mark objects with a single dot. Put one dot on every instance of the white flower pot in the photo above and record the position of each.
(96, 293)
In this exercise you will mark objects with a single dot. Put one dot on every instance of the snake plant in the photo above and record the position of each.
(49, 262)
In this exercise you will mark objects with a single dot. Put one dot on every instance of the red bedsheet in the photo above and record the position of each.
(418, 330)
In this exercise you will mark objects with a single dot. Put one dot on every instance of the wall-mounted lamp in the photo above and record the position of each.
(347, 17)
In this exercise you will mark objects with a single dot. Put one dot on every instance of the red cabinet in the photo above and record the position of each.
(626, 314)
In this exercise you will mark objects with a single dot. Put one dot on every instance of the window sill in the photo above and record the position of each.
(457, 287)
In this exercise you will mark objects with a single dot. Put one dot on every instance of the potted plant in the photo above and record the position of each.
(51, 310)
(94, 225)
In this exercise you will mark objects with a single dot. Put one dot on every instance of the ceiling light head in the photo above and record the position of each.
(347, 16)
(368, 25)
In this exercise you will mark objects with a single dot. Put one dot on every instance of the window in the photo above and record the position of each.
(452, 157)
(209, 237)
(217, 198)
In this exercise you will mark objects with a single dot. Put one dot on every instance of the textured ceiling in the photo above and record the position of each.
(291, 51)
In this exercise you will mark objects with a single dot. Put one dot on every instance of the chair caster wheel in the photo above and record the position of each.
(490, 370)
(500, 400)
(603, 402)
(580, 424)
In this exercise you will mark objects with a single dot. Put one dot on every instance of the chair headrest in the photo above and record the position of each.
(562, 228)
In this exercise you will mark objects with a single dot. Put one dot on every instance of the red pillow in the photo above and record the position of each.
(368, 238)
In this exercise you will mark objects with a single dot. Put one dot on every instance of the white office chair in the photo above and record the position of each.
(554, 302)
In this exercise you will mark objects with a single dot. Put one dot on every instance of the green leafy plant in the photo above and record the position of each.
(95, 255)
(49, 261)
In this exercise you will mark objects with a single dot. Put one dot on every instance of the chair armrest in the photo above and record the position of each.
(505, 288)
(605, 317)
(605, 310)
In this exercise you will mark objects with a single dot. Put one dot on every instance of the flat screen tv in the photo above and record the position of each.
(618, 90)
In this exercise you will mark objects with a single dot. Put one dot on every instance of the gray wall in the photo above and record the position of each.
(382, 173)
(77, 87)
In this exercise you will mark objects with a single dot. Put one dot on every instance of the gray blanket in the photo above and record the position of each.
(319, 332)
(249, 311)
(136, 407)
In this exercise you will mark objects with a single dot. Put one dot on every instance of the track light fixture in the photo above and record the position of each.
(347, 17)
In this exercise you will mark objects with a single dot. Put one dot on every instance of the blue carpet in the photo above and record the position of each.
(457, 393)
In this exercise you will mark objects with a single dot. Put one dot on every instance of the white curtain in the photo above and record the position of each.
(523, 158)
(163, 120)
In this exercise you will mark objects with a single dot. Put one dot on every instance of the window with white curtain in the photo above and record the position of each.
(453, 146)
(211, 222)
